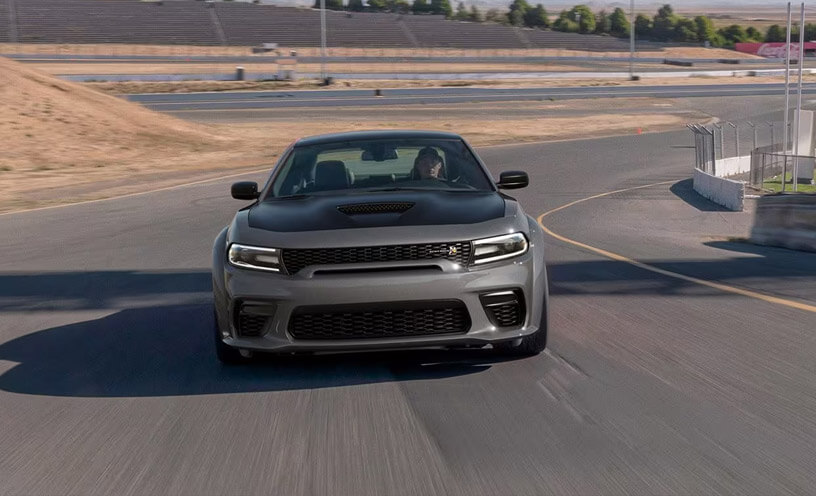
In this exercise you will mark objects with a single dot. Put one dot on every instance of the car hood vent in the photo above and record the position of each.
(375, 208)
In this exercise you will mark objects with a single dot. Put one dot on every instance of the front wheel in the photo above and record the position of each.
(226, 354)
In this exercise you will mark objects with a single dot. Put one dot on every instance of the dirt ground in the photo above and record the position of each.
(65, 142)
(182, 50)
(132, 87)
(186, 68)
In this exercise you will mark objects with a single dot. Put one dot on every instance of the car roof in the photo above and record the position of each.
(373, 135)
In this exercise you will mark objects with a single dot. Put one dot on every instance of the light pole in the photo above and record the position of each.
(798, 115)
(323, 40)
(787, 99)
(632, 40)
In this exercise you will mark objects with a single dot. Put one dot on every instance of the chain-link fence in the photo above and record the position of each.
(764, 164)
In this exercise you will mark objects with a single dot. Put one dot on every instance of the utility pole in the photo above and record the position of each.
(798, 114)
(631, 40)
(787, 98)
(323, 40)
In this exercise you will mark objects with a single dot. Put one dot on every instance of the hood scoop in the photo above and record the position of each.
(375, 208)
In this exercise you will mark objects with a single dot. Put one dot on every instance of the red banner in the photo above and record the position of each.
(774, 50)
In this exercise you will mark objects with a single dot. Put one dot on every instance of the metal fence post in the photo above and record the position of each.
(736, 138)
(753, 128)
(773, 136)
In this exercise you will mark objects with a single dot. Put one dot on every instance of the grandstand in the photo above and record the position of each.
(191, 22)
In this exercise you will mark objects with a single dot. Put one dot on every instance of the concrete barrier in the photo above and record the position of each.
(786, 220)
(725, 167)
(726, 192)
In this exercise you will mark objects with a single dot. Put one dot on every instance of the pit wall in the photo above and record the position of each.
(786, 220)
(718, 188)
(725, 192)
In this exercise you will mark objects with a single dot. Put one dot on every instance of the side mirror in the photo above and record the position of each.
(245, 190)
(513, 180)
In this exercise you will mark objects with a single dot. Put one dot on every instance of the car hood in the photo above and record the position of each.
(375, 209)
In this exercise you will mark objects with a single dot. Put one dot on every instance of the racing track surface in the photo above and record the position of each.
(255, 100)
(651, 385)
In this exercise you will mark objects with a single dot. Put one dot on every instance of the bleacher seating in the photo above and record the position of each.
(4, 22)
(115, 21)
(190, 22)
(435, 31)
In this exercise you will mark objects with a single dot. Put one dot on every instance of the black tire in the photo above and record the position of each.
(226, 354)
(530, 345)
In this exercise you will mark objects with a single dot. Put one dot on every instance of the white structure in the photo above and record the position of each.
(730, 193)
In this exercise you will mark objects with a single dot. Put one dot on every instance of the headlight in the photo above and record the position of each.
(498, 248)
(255, 257)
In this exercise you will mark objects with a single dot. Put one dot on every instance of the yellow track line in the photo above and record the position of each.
(620, 258)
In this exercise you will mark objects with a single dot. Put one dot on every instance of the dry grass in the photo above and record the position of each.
(186, 68)
(132, 87)
(64, 142)
(187, 50)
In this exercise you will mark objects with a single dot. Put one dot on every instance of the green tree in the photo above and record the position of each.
(602, 22)
(377, 5)
(398, 6)
(584, 17)
(330, 4)
(664, 23)
(493, 15)
(733, 34)
(518, 9)
(705, 29)
(420, 7)
(475, 15)
(775, 34)
(565, 24)
(643, 26)
(461, 12)
(810, 32)
(753, 34)
(516, 18)
(536, 17)
(441, 7)
(355, 6)
(685, 30)
(618, 23)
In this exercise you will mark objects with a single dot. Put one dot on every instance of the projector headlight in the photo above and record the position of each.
(255, 257)
(499, 248)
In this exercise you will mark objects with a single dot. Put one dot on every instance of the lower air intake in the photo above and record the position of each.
(504, 308)
(381, 320)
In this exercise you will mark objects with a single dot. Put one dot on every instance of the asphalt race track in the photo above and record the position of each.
(245, 100)
(651, 385)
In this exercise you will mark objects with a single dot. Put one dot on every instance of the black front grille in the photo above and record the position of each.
(379, 320)
(375, 208)
(297, 259)
(251, 325)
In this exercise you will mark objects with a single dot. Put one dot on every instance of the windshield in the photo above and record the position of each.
(383, 165)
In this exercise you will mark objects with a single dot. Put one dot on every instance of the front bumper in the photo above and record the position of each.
(282, 294)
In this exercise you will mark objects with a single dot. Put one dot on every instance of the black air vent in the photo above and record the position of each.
(375, 208)
(380, 320)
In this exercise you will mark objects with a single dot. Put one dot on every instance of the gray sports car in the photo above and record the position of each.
(379, 240)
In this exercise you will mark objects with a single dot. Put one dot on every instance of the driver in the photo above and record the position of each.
(428, 164)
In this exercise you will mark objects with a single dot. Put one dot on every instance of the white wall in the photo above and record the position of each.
(725, 167)
(730, 194)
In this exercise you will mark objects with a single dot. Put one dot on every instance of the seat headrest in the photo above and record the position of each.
(331, 174)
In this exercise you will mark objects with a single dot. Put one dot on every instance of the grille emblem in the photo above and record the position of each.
(445, 252)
